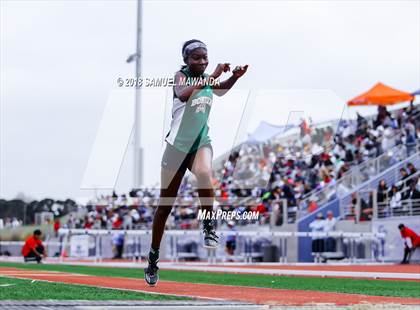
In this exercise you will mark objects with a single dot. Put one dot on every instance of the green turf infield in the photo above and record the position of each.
(20, 289)
(340, 285)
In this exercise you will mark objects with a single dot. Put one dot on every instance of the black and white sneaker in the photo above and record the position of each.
(151, 274)
(210, 238)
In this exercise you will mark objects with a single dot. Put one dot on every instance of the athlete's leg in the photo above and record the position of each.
(407, 252)
(201, 167)
(171, 178)
(170, 182)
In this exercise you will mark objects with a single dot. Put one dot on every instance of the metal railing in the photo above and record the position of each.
(361, 174)
(366, 206)
(407, 207)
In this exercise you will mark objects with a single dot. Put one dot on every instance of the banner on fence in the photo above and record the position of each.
(79, 246)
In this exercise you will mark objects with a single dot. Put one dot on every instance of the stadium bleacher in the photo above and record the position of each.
(307, 171)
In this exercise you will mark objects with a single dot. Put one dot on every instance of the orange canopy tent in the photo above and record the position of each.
(381, 94)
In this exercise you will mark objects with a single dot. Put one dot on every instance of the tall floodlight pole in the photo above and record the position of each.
(138, 151)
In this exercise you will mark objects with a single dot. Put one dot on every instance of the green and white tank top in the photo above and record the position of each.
(189, 125)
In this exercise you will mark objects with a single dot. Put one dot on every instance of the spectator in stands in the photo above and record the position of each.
(88, 223)
(312, 205)
(403, 174)
(97, 222)
(109, 223)
(329, 225)
(410, 138)
(300, 166)
(350, 212)
(415, 189)
(411, 172)
(71, 223)
(395, 202)
(56, 226)
(33, 249)
(127, 220)
(411, 169)
(16, 222)
(304, 128)
(382, 193)
(116, 221)
(411, 242)
(366, 209)
(317, 226)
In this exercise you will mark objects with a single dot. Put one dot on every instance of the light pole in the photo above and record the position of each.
(138, 151)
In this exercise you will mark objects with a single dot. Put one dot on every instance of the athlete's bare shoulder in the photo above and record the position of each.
(180, 82)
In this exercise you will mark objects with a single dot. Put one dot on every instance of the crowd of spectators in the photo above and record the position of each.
(318, 158)
(258, 176)
(133, 211)
(407, 188)
(390, 198)
(10, 222)
(22, 211)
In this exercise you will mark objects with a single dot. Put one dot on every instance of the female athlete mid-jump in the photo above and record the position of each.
(188, 144)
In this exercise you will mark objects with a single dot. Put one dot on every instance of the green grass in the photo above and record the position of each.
(352, 286)
(21, 289)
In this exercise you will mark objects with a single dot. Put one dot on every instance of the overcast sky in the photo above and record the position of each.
(60, 60)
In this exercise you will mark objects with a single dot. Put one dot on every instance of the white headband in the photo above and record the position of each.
(192, 46)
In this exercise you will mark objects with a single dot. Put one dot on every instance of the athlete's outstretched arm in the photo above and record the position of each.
(182, 90)
(226, 85)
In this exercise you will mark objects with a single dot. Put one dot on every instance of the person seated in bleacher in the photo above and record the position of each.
(404, 177)
(411, 169)
(395, 202)
(415, 189)
(411, 242)
(382, 192)
(33, 249)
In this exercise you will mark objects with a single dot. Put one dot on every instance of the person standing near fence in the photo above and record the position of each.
(231, 239)
(317, 226)
(329, 225)
(118, 243)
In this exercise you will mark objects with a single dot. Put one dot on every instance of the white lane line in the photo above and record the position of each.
(351, 274)
(42, 275)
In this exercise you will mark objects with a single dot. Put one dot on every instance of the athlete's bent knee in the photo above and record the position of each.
(203, 175)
